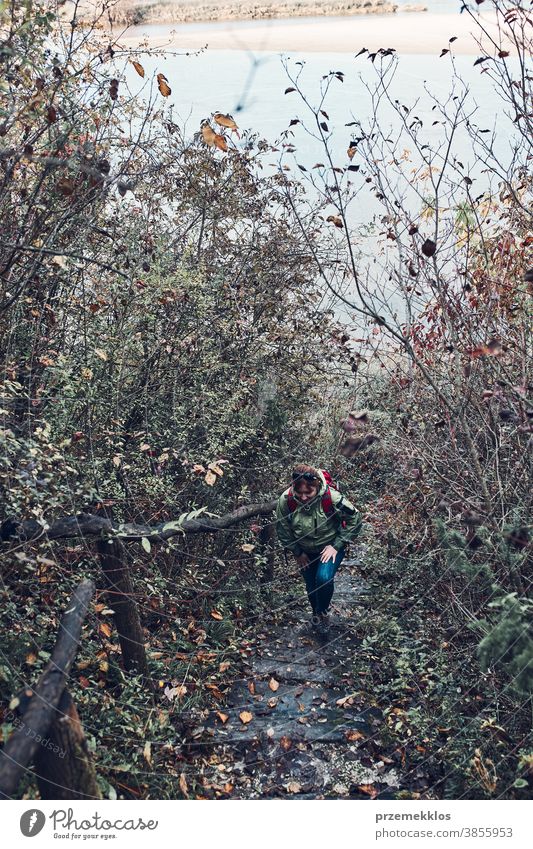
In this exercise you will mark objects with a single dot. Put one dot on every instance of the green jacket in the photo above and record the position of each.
(308, 529)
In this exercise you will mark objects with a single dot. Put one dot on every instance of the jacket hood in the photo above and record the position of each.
(323, 484)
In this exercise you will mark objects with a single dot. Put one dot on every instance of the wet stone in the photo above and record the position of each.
(295, 745)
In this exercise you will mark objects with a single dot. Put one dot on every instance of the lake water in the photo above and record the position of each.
(251, 85)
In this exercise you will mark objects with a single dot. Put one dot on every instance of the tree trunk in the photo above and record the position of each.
(120, 594)
(267, 537)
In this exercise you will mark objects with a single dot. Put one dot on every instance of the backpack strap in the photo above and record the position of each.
(327, 502)
(329, 509)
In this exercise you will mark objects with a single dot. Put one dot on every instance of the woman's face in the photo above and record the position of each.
(306, 491)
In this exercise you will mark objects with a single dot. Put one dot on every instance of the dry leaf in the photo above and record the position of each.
(214, 690)
(175, 692)
(334, 219)
(224, 665)
(208, 135)
(225, 121)
(138, 67)
(429, 247)
(251, 688)
(273, 684)
(369, 789)
(210, 478)
(285, 743)
(220, 142)
(163, 85)
(247, 547)
(217, 615)
(294, 787)
(272, 703)
(183, 785)
(245, 717)
(222, 716)
(147, 753)
(352, 735)
(105, 629)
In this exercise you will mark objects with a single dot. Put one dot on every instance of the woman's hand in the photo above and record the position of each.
(328, 553)
(302, 561)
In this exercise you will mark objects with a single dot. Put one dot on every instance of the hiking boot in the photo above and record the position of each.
(324, 623)
(315, 621)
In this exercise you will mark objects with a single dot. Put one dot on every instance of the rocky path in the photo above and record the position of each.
(297, 726)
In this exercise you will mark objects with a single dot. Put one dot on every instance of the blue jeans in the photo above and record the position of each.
(319, 580)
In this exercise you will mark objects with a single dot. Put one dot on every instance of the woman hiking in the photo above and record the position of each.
(315, 522)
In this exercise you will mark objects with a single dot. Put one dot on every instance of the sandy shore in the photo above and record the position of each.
(422, 33)
(132, 12)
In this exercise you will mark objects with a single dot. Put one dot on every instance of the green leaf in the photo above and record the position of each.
(145, 542)
(174, 526)
(521, 782)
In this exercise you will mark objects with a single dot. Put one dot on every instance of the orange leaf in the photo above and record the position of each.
(84, 682)
(285, 743)
(183, 785)
(492, 349)
(251, 688)
(225, 121)
(105, 629)
(245, 717)
(352, 735)
(369, 789)
(163, 85)
(220, 142)
(208, 135)
(138, 67)
(273, 684)
(222, 716)
(216, 615)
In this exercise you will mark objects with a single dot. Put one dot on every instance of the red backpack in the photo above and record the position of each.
(327, 501)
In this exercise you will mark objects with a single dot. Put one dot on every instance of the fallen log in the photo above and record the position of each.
(41, 703)
(87, 524)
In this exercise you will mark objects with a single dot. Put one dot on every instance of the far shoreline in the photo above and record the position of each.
(427, 33)
(150, 12)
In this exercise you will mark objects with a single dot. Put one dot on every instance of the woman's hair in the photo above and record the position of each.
(302, 473)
